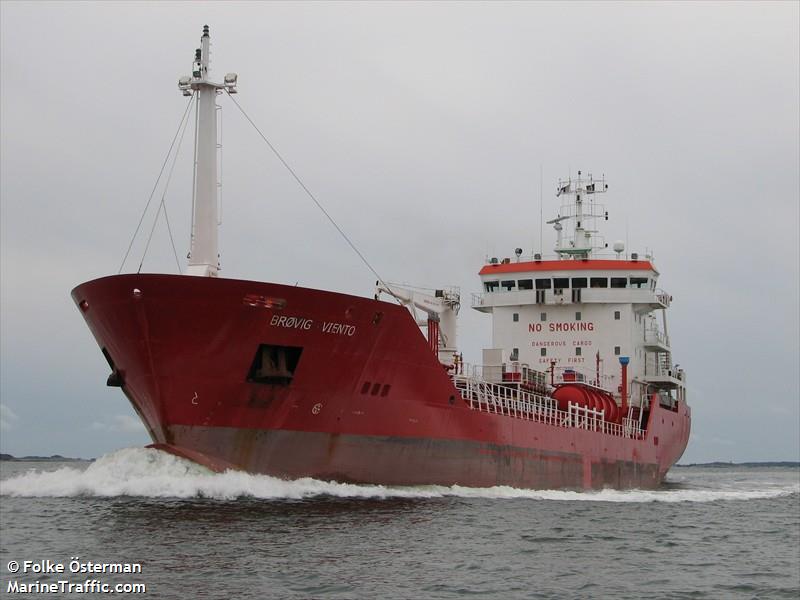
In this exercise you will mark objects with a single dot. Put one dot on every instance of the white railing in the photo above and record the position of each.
(630, 428)
(597, 254)
(511, 373)
(663, 298)
(511, 401)
(663, 368)
(653, 335)
(515, 296)
(506, 400)
(583, 417)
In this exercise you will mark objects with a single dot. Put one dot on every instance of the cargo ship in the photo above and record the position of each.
(578, 389)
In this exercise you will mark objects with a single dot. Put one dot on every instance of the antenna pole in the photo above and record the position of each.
(204, 250)
(627, 246)
(541, 212)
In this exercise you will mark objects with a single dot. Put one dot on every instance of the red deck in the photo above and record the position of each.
(368, 401)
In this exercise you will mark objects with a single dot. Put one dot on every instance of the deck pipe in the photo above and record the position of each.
(433, 335)
(597, 369)
(624, 360)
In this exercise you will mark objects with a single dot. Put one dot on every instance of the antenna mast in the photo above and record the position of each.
(204, 250)
(583, 211)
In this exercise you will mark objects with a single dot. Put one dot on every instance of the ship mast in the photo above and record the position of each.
(204, 251)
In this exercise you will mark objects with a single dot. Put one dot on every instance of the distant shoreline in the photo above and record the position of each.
(715, 464)
(53, 458)
(765, 463)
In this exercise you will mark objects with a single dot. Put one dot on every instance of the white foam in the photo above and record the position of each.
(152, 473)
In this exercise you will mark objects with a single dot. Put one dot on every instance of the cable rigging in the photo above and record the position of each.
(307, 191)
(155, 185)
(162, 205)
(179, 135)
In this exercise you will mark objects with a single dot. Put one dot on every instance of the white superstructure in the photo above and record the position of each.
(577, 313)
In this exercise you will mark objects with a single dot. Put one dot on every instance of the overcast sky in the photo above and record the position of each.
(422, 128)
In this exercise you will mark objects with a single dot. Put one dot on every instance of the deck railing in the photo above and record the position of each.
(511, 401)
(652, 335)
(663, 298)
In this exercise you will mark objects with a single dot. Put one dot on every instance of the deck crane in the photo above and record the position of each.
(440, 308)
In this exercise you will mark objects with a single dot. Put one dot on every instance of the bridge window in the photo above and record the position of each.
(491, 286)
(579, 282)
(619, 282)
(525, 284)
(639, 282)
(616, 315)
(543, 317)
(543, 284)
(561, 282)
(598, 282)
(577, 351)
(515, 317)
(508, 285)
(542, 351)
(577, 316)
(616, 350)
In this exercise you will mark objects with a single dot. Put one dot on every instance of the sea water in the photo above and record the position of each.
(708, 532)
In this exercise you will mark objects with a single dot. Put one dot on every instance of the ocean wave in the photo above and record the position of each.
(146, 472)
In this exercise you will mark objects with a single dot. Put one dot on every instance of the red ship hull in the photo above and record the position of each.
(368, 401)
